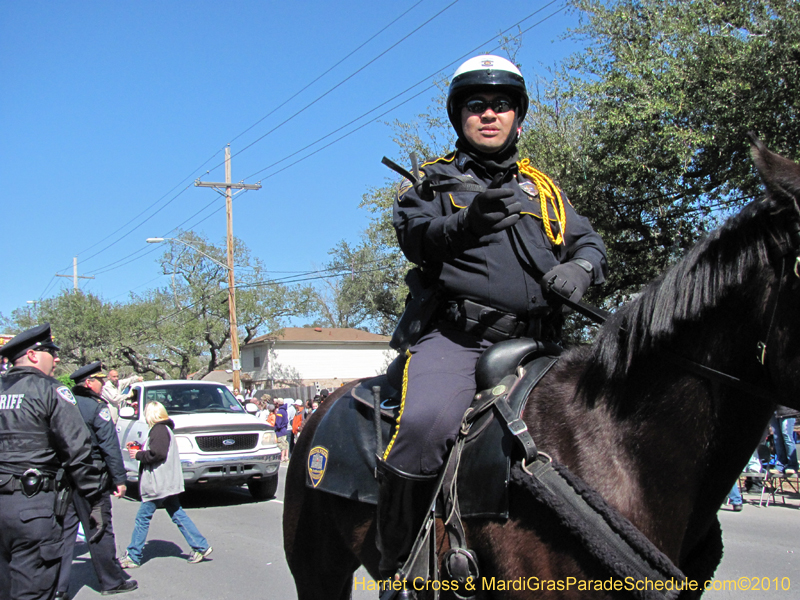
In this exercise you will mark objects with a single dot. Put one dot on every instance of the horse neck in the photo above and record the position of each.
(665, 445)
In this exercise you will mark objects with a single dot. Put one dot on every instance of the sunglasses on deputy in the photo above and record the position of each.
(51, 351)
(498, 105)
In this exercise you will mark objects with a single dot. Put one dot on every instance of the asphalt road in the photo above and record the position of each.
(761, 544)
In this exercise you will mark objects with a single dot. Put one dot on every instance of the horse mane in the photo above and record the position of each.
(691, 288)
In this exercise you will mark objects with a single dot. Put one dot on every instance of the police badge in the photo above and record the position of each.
(317, 461)
(529, 188)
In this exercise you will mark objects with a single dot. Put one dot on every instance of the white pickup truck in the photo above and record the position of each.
(220, 442)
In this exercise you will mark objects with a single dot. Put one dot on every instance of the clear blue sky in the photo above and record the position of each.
(110, 110)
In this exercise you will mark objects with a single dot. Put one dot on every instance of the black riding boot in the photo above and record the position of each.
(403, 500)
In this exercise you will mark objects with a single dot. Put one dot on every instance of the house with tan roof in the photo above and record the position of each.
(310, 355)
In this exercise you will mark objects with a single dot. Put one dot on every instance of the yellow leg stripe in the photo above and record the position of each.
(402, 406)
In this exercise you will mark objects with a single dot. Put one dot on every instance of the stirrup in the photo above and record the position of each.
(461, 565)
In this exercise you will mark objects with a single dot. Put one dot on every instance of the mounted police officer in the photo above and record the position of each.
(491, 234)
(107, 456)
(40, 430)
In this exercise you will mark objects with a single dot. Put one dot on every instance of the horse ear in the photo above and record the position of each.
(780, 175)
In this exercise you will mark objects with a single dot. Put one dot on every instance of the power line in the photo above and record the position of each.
(345, 80)
(245, 131)
(304, 88)
(115, 264)
(420, 82)
(408, 89)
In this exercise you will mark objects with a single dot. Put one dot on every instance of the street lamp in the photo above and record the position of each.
(237, 365)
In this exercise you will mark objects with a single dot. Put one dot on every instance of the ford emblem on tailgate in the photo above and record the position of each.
(228, 442)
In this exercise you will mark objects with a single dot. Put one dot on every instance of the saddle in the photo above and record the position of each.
(342, 458)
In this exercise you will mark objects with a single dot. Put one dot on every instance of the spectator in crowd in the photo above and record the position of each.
(160, 483)
(4, 365)
(735, 497)
(271, 415)
(262, 413)
(282, 428)
(782, 424)
(112, 391)
(297, 424)
(291, 410)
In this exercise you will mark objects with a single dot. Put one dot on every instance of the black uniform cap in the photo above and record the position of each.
(91, 370)
(36, 338)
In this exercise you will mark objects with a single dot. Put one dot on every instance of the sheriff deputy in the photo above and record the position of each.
(107, 456)
(41, 429)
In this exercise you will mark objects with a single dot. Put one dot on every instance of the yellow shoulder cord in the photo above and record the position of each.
(548, 192)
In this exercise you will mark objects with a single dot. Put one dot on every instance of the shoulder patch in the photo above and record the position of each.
(66, 394)
(104, 414)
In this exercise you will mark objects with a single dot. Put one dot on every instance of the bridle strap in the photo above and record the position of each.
(598, 315)
(719, 376)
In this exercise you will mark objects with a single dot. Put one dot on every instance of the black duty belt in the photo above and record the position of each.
(489, 323)
(33, 484)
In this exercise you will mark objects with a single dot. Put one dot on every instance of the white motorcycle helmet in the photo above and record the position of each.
(489, 73)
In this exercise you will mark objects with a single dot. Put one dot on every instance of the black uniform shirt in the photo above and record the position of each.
(105, 444)
(501, 270)
(41, 428)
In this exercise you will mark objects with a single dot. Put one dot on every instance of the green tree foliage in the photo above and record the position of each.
(84, 327)
(188, 321)
(171, 332)
(369, 293)
(667, 90)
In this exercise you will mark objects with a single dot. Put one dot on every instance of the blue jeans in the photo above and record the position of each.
(142, 525)
(785, 448)
(735, 496)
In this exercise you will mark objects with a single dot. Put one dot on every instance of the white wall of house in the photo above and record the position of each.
(342, 361)
(255, 360)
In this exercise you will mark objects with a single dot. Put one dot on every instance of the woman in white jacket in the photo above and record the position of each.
(160, 482)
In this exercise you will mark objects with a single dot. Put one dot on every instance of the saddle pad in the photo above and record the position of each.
(342, 458)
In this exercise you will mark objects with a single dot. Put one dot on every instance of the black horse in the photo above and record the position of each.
(659, 416)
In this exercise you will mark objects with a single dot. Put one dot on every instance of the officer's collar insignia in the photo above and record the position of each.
(66, 394)
(529, 188)
(317, 461)
(105, 415)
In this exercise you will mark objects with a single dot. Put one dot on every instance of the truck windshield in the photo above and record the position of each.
(184, 398)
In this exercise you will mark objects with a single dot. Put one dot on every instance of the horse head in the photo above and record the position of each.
(781, 352)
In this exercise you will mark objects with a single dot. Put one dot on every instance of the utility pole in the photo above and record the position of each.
(75, 275)
(236, 363)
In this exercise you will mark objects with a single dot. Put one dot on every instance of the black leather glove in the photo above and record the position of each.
(97, 521)
(491, 211)
(568, 280)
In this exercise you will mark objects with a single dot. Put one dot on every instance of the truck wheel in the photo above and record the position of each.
(263, 489)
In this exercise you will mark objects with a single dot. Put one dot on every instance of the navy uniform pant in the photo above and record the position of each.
(103, 550)
(438, 388)
(30, 546)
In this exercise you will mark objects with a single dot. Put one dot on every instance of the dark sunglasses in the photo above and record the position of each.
(51, 351)
(498, 105)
